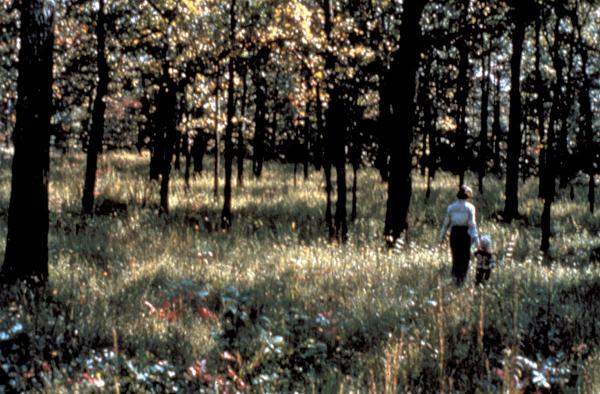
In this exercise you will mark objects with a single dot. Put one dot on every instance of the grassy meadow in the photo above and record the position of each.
(147, 303)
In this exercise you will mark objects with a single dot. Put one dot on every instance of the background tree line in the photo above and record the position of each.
(507, 88)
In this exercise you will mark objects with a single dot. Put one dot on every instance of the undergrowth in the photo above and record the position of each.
(139, 302)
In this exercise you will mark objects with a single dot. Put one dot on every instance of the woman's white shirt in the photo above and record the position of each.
(460, 213)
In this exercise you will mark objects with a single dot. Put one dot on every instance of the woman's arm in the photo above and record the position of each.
(445, 226)
(473, 225)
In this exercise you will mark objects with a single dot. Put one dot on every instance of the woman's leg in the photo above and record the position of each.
(460, 243)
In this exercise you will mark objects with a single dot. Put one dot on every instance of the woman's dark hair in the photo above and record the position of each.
(464, 192)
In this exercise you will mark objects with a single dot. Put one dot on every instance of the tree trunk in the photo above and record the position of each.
(335, 129)
(462, 95)
(169, 135)
(483, 134)
(566, 163)
(586, 125)
(226, 212)
(402, 79)
(353, 213)
(144, 127)
(540, 90)
(497, 129)
(178, 152)
(306, 145)
(260, 123)
(431, 125)
(511, 202)
(319, 144)
(97, 130)
(26, 254)
(383, 144)
(326, 163)
(335, 125)
(217, 147)
(549, 181)
(241, 150)
(185, 147)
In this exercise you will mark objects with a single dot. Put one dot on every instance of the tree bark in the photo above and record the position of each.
(187, 154)
(226, 212)
(540, 90)
(307, 139)
(353, 212)
(402, 79)
(511, 202)
(462, 95)
(431, 125)
(97, 129)
(241, 149)
(549, 181)
(496, 128)
(169, 135)
(26, 254)
(336, 126)
(326, 163)
(260, 113)
(586, 124)
(198, 149)
(483, 133)
(217, 144)
(335, 135)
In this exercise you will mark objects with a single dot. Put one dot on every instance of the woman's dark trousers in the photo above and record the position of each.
(460, 244)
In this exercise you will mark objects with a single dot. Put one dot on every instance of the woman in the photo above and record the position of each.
(460, 217)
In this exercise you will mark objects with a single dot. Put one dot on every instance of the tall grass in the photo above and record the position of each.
(295, 312)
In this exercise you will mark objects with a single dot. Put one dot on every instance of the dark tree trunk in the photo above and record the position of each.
(483, 134)
(431, 125)
(566, 163)
(354, 189)
(319, 145)
(549, 180)
(335, 125)
(260, 121)
(497, 129)
(335, 130)
(586, 125)
(198, 149)
(540, 90)
(217, 138)
(306, 145)
(97, 130)
(402, 79)
(511, 202)
(178, 151)
(26, 254)
(589, 134)
(157, 150)
(383, 144)
(169, 135)
(326, 163)
(423, 101)
(462, 95)
(185, 147)
(144, 127)
(226, 212)
(161, 135)
(241, 149)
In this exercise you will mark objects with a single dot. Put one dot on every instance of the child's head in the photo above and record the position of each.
(485, 243)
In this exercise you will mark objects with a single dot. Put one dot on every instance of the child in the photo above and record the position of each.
(485, 260)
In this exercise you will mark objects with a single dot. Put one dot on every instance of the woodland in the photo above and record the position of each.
(244, 195)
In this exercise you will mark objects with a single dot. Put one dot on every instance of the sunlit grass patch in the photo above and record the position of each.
(295, 311)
